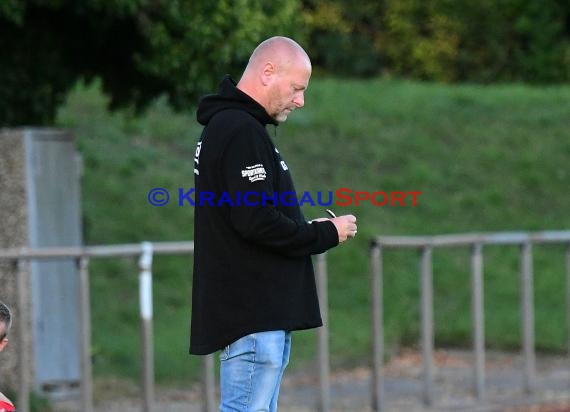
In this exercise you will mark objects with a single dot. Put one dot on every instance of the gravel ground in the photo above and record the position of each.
(350, 389)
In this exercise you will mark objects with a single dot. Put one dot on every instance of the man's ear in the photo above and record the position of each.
(3, 344)
(267, 73)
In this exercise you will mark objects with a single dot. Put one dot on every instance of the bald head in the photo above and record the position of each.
(277, 75)
(281, 51)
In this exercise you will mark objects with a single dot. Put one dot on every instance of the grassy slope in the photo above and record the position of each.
(485, 159)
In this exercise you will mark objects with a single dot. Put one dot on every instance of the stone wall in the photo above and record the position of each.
(13, 234)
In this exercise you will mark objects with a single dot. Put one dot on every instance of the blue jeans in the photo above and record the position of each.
(251, 369)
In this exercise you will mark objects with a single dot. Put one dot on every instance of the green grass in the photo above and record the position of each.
(485, 158)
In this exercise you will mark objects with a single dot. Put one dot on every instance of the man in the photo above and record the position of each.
(5, 323)
(253, 275)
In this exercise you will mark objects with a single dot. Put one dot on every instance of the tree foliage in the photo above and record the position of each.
(483, 41)
(140, 49)
(443, 40)
(345, 38)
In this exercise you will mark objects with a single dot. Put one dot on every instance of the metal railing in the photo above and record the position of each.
(425, 244)
(476, 242)
(145, 251)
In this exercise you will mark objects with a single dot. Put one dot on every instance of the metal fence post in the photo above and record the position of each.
(323, 335)
(24, 387)
(568, 296)
(145, 295)
(85, 338)
(478, 316)
(527, 309)
(209, 383)
(427, 323)
(376, 284)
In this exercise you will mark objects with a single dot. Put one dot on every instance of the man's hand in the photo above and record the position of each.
(345, 226)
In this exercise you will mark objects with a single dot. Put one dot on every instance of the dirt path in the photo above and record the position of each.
(350, 389)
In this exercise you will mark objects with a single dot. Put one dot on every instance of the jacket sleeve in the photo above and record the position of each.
(248, 170)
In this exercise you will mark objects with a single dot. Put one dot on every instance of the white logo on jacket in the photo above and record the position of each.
(197, 158)
(254, 173)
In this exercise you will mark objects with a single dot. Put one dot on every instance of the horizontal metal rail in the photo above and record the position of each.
(506, 238)
(134, 249)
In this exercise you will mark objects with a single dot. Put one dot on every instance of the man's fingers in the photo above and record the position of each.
(346, 226)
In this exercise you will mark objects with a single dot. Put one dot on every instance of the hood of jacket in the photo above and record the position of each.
(230, 97)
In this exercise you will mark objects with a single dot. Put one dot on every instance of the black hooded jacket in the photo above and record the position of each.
(252, 255)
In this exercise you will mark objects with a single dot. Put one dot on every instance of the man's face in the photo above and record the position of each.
(287, 92)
